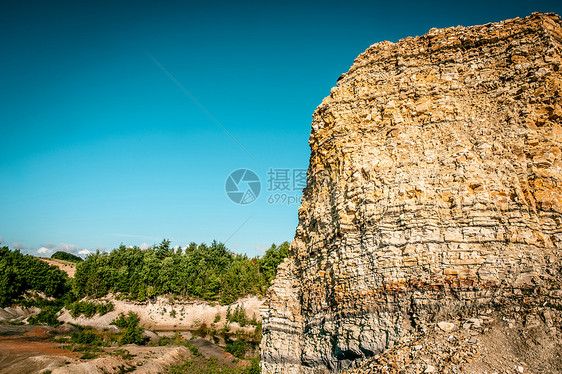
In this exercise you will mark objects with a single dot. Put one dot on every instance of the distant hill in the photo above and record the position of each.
(65, 256)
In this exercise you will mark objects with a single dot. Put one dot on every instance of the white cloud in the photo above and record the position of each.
(48, 245)
(144, 246)
(84, 252)
(1, 239)
(43, 251)
(261, 248)
(65, 247)
(18, 246)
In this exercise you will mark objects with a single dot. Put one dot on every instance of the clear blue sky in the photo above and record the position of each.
(100, 146)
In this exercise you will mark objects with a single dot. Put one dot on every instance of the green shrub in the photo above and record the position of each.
(89, 355)
(89, 308)
(85, 338)
(123, 353)
(104, 308)
(254, 368)
(194, 350)
(212, 366)
(237, 348)
(239, 315)
(45, 317)
(133, 333)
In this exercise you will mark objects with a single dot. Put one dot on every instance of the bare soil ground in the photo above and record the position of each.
(18, 313)
(66, 266)
(29, 349)
(165, 314)
(145, 360)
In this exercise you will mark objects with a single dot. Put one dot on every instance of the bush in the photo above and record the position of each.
(104, 308)
(254, 368)
(45, 317)
(212, 366)
(239, 315)
(163, 341)
(85, 338)
(133, 332)
(203, 330)
(237, 348)
(194, 350)
(89, 308)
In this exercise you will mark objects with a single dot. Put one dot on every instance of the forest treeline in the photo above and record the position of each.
(210, 272)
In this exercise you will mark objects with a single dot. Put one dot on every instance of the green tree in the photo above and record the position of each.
(20, 273)
(65, 256)
(210, 272)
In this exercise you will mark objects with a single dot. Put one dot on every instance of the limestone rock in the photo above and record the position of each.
(446, 326)
(434, 188)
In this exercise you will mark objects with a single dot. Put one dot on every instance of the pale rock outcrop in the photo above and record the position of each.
(434, 187)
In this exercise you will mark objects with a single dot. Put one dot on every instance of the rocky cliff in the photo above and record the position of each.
(434, 189)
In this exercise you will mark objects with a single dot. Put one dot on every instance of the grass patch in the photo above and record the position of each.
(201, 365)
(123, 353)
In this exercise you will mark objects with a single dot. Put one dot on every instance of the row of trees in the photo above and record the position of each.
(210, 272)
(20, 273)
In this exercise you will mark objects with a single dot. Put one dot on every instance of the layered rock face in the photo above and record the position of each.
(434, 188)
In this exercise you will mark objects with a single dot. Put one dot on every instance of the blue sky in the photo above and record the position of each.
(117, 119)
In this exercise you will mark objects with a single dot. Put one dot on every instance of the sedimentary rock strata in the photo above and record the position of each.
(434, 188)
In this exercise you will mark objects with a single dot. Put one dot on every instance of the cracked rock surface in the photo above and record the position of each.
(434, 190)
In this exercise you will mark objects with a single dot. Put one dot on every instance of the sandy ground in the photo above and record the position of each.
(28, 349)
(18, 313)
(163, 314)
(145, 360)
(66, 266)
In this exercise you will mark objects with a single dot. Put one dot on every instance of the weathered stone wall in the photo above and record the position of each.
(434, 187)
